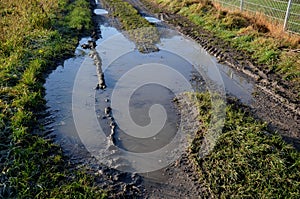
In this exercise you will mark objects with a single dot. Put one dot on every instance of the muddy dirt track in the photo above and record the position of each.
(274, 102)
(178, 180)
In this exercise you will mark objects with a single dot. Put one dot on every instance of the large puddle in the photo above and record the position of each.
(119, 121)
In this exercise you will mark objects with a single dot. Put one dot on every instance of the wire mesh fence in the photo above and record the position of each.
(285, 12)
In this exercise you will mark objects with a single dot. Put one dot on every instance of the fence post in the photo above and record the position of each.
(242, 5)
(287, 14)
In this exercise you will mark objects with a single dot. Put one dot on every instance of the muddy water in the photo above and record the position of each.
(77, 79)
(59, 100)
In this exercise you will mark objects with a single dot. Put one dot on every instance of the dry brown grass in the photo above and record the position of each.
(263, 23)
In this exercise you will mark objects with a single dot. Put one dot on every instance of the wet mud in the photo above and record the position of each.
(178, 180)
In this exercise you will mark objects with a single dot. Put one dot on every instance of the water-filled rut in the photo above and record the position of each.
(112, 107)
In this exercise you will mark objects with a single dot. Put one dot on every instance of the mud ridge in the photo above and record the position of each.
(117, 184)
(182, 177)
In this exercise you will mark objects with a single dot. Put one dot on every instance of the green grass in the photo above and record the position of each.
(248, 161)
(139, 30)
(34, 36)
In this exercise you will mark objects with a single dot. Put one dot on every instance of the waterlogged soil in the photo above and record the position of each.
(175, 181)
(178, 180)
(274, 100)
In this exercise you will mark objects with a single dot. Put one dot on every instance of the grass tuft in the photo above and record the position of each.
(139, 30)
(247, 160)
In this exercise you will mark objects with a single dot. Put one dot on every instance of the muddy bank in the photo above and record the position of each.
(180, 179)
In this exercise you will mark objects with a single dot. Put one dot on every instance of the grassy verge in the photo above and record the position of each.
(276, 10)
(35, 35)
(276, 51)
(247, 161)
(139, 30)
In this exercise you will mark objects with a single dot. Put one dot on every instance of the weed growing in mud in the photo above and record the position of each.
(34, 37)
(79, 18)
(248, 160)
(139, 30)
(255, 36)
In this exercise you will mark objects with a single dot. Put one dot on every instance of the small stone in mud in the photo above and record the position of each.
(89, 45)
(112, 139)
(92, 44)
(112, 132)
(85, 46)
(135, 189)
(133, 175)
(107, 110)
(116, 177)
(112, 124)
(95, 35)
(99, 172)
(175, 99)
(125, 187)
(92, 54)
(98, 63)
(102, 86)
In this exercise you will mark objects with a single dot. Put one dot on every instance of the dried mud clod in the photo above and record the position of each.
(107, 111)
(98, 62)
(89, 45)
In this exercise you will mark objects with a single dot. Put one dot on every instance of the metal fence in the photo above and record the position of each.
(285, 12)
